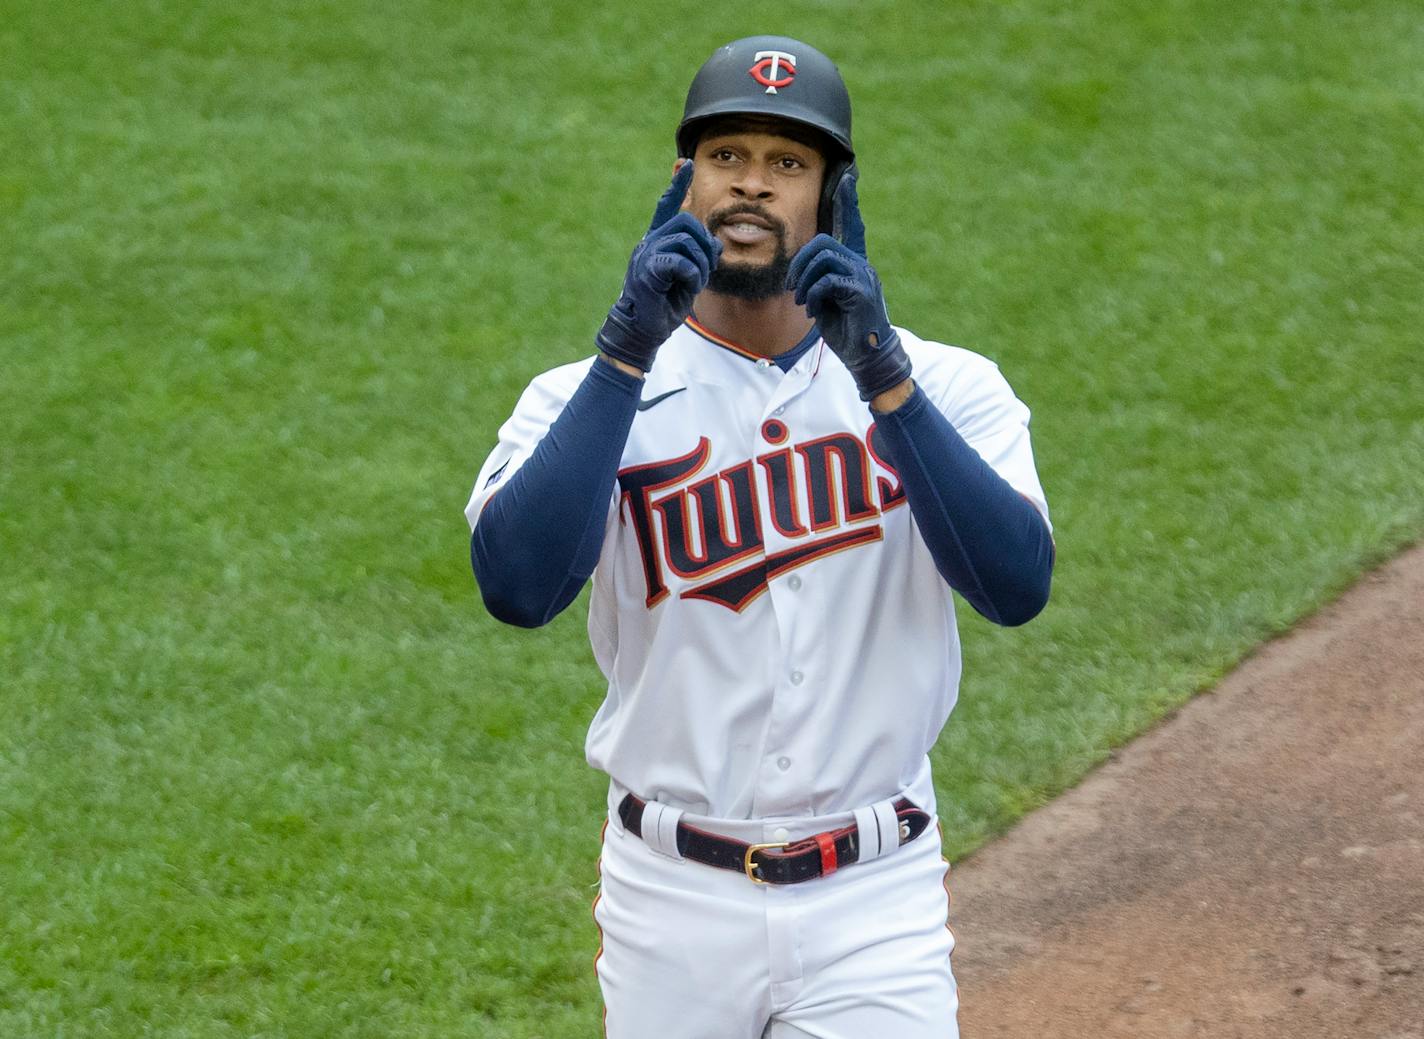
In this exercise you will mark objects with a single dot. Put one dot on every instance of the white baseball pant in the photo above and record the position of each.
(694, 952)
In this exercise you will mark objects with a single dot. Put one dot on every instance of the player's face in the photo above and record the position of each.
(758, 193)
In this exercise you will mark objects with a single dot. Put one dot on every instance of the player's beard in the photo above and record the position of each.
(751, 281)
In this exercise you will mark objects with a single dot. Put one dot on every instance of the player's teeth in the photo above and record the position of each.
(746, 227)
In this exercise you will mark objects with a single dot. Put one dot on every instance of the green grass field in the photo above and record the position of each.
(274, 273)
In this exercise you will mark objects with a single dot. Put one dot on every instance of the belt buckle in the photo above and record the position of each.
(750, 867)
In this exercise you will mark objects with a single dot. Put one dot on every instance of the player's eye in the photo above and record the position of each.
(724, 155)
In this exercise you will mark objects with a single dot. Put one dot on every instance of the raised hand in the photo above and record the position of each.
(839, 289)
(668, 268)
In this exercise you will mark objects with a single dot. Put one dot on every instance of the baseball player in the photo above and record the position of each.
(775, 490)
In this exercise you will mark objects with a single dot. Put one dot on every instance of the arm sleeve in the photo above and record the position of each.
(537, 527)
(989, 541)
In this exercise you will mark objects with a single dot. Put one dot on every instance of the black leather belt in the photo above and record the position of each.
(819, 855)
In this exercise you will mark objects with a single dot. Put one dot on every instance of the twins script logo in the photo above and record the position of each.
(708, 531)
(774, 69)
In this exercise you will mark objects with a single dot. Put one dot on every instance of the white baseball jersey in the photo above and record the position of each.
(776, 637)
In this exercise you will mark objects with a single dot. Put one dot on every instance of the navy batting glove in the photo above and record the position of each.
(669, 267)
(840, 290)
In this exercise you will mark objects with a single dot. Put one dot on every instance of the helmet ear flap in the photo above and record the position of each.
(836, 171)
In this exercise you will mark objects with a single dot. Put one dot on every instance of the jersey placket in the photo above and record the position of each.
(784, 784)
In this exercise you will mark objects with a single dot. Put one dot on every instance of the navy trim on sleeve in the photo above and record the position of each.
(988, 541)
(539, 538)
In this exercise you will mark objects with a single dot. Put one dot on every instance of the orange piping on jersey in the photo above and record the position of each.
(713, 337)
(741, 351)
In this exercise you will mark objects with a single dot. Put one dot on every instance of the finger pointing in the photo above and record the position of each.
(846, 223)
(671, 200)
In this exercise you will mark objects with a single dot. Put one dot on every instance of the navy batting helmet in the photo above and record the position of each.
(779, 78)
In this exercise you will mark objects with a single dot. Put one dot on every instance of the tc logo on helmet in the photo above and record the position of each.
(773, 69)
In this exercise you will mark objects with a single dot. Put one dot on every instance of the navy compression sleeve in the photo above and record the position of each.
(539, 538)
(988, 541)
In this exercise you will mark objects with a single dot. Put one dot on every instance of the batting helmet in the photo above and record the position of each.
(780, 78)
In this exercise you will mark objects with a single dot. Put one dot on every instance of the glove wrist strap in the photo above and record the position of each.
(883, 369)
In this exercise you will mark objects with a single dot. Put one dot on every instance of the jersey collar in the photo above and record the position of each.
(785, 361)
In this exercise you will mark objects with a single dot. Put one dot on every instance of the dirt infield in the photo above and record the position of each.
(1252, 868)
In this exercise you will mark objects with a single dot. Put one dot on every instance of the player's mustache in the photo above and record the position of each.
(727, 216)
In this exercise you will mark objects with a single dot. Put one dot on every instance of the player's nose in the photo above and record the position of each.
(752, 182)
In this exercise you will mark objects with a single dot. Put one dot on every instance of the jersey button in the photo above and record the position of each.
(763, 363)
(780, 411)
(797, 678)
(783, 763)
(794, 582)
(781, 835)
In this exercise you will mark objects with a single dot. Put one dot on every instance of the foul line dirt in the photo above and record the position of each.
(1252, 868)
